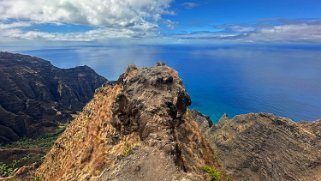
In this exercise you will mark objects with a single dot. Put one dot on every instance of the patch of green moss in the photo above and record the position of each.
(129, 149)
(212, 172)
(37, 179)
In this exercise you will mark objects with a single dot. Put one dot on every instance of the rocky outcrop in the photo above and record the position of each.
(34, 94)
(265, 147)
(136, 129)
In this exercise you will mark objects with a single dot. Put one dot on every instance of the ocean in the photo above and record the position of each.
(232, 79)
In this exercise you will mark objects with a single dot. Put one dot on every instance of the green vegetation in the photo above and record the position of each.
(34, 150)
(129, 149)
(45, 141)
(37, 179)
(212, 172)
(6, 170)
(9, 169)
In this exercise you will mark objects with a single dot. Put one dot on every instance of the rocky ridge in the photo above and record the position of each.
(35, 95)
(136, 129)
(262, 146)
(139, 128)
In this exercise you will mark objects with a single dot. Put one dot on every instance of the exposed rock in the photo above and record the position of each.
(136, 129)
(34, 94)
(266, 147)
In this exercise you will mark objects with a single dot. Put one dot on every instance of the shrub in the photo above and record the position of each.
(212, 172)
(5, 170)
(10, 168)
(44, 141)
(129, 148)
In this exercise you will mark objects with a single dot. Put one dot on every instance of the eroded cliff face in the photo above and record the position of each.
(265, 147)
(35, 95)
(136, 129)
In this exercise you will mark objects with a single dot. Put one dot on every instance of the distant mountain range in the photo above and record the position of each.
(35, 95)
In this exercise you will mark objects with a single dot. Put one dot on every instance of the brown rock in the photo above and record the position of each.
(138, 129)
(266, 147)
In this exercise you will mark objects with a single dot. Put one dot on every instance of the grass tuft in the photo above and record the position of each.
(129, 149)
(212, 172)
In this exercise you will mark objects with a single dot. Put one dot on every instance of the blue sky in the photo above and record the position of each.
(217, 12)
(160, 21)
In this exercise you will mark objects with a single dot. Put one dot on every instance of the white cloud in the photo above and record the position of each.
(5, 26)
(109, 18)
(131, 19)
(92, 35)
(124, 13)
(189, 5)
(286, 33)
(207, 35)
(302, 32)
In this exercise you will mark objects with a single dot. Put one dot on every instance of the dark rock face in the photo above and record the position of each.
(152, 92)
(266, 147)
(34, 94)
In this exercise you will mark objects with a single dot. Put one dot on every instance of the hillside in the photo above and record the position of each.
(136, 129)
(35, 95)
(139, 128)
(265, 147)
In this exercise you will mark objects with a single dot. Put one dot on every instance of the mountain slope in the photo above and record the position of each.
(34, 94)
(265, 147)
(137, 129)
